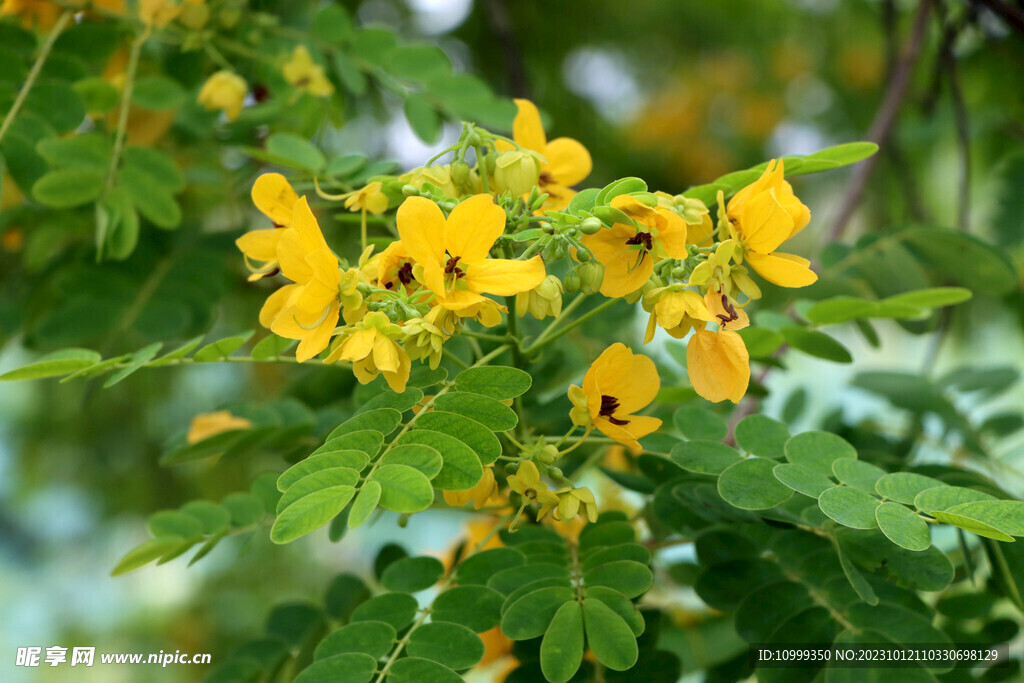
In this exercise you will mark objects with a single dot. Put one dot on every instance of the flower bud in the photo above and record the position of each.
(556, 473)
(516, 172)
(543, 300)
(571, 281)
(548, 455)
(582, 254)
(460, 172)
(591, 276)
(410, 190)
(590, 226)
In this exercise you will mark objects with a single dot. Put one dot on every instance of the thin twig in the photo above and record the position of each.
(33, 74)
(963, 136)
(884, 119)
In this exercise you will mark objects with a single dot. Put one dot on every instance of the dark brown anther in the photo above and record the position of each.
(545, 179)
(405, 273)
(643, 238)
(609, 404)
(730, 309)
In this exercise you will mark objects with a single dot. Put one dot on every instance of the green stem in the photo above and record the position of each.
(362, 230)
(37, 67)
(484, 336)
(448, 580)
(547, 337)
(573, 305)
(126, 101)
(531, 250)
(455, 359)
(579, 442)
(482, 169)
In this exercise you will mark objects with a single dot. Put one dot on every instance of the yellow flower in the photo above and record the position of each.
(762, 216)
(371, 348)
(158, 13)
(303, 73)
(211, 424)
(543, 300)
(617, 385)
(719, 271)
(453, 253)
(526, 482)
(395, 268)
(224, 90)
(628, 253)
(516, 171)
(567, 161)
(572, 502)
(439, 176)
(353, 308)
(677, 311)
(425, 338)
(369, 198)
(479, 494)
(42, 14)
(307, 310)
(718, 365)
(272, 195)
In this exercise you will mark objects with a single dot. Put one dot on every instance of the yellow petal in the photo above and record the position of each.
(291, 256)
(718, 365)
(527, 129)
(385, 354)
(357, 345)
(260, 245)
(618, 258)
(785, 270)
(505, 277)
(568, 161)
(272, 195)
(764, 223)
(398, 379)
(277, 302)
(640, 387)
(318, 339)
(472, 228)
(421, 227)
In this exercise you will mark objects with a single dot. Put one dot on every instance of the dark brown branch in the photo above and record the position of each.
(884, 119)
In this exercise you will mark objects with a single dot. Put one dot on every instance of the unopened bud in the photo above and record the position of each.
(590, 226)
(548, 455)
(571, 281)
(591, 276)
(582, 254)
(460, 172)
(410, 191)
(516, 172)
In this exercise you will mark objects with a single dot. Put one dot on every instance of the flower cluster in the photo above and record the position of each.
(508, 230)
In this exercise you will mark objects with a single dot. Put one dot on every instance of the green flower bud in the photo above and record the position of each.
(556, 473)
(571, 281)
(582, 254)
(591, 276)
(591, 225)
(548, 455)
(537, 203)
(410, 191)
(460, 172)
(516, 172)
